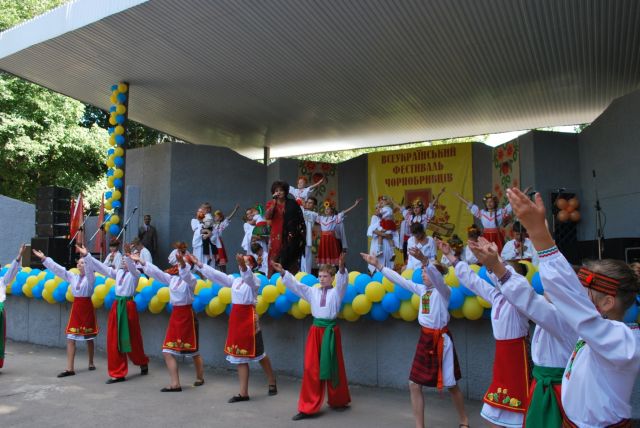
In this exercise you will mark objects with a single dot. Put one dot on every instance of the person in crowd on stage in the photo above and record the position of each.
(507, 399)
(310, 219)
(288, 231)
(82, 325)
(435, 363)
(520, 248)
(114, 257)
(179, 247)
(244, 337)
(209, 247)
(124, 337)
(423, 243)
(181, 338)
(341, 238)
(329, 250)
(220, 223)
(473, 233)
(301, 193)
(138, 248)
(600, 374)
(387, 225)
(384, 254)
(5, 280)
(148, 236)
(323, 360)
(457, 246)
(492, 217)
(260, 256)
(553, 338)
(416, 213)
(197, 249)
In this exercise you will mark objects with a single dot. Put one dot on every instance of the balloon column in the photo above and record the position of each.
(568, 209)
(116, 154)
(374, 298)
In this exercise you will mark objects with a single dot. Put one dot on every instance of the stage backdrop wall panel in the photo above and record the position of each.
(610, 147)
(352, 182)
(17, 219)
(482, 158)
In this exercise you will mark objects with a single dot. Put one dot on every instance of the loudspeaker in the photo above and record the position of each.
(56, 248)
(52, 230)
(52, 217)
(62, 205)
(53, 192)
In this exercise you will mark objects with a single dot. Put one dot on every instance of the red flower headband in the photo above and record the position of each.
(598, 282)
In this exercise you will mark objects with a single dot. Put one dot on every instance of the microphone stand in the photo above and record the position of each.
(126, 224)
(98, 230)
(599, 231)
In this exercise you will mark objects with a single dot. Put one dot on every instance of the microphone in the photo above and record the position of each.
(134, 210)
(274, 196)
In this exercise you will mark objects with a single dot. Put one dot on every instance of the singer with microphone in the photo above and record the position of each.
(288, 230)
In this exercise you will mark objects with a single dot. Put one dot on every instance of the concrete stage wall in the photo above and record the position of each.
(18, 226)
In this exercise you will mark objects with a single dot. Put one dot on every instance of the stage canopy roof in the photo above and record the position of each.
(305, 76)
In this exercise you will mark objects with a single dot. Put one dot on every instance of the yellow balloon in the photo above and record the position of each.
(451, 279)
(361, 304)
(297, 276)
(120, 108)
(113, 98)
(334, 281)
(155, 305)
(117, 152)
(116, 195)
(41, 275)
(304, 307)
(483, 302)
(415, 301)
(58, 280)
(112, 139)
(100, 292)
(32, 281)
(407, 311)
(119, 130)
(115, 219)
(531, 269)
(407, 274)
(225, 295)
(471, 308)
(28, 290)
(374, 291)
(112, 120)
(122, 87)
(296, 312)
(50, 285)
(97, 302)
(457, 313)
(388, 285)
(349, 314)
(352, 276)
(163, 294)
(474, 268)
(270, 293)
(261, 305)
(26, 269)
(46, 294)
(216, 307)
(200, 284)
(280, 286)
(117, 173)
(109, 283)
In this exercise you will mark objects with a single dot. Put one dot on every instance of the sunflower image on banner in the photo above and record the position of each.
(506, 173)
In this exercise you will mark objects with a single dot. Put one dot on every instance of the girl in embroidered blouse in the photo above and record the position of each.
(600, 375)
(329, 250)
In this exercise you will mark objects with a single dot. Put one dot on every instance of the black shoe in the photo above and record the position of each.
(67, 373)
(341, 408)
(300, 416)
(237, 398)
(92, 368)
(144, 370)
(115, 380)
(273, 389)
(198, 382)
(178, 389)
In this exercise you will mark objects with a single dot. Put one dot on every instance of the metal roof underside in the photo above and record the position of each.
(307, 76)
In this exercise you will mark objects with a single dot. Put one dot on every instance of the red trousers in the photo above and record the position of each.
(312, 392)
(117, 361)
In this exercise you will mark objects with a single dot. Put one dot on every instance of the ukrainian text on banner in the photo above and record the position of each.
(412, 174)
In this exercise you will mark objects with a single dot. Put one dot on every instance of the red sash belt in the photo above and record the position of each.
(438, 344)
(509, 389)
(82, 319)
(241, 335)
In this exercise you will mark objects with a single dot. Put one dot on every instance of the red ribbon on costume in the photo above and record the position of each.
(438, 342)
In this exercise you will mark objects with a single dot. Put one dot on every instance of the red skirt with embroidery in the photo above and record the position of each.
(509, 389)
(427, 364)
(181, 333)
(221, 256)
(329, 249)
(241, 334)
(494, 235)
(82, 319)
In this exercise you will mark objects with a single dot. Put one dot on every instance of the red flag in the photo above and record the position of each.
(77, 219)
(99, 244)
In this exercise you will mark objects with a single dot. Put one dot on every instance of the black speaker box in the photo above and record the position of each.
(53, 192)
(56, 248)
(51, 230)
(62, 205)
(52, 217)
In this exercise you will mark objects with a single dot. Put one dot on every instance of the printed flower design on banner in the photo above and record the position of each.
(310, 165)
(500, 153)
(510, 150)
(505, 168)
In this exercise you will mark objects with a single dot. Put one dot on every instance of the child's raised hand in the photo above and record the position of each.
(486, 252)
(369, 258)
(136, 258)
(341, 261)
(20, 251)
(241, 263)
(81, 250)
(277, 267)
(443, 246)
(39, 254)
(531, 214)
(415, 252)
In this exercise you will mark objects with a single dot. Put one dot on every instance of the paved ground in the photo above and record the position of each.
(32, 396)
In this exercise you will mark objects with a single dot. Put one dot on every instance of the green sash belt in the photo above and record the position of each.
(544, 410)
(124, 340)
(1, 330)
(328, 354)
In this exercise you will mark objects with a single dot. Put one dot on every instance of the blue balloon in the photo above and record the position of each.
(37, 290)
(206, 294)
(112, 109)
(378, 277)
(274, 278)
(401, 293)
(309, 280)
(456, 300)
(417, 276)
(141, 303)
(118, 161)
(282, 304)
(114, 87)
(109, 174)
(117, 183)
(114, 229)
(108, 300)
(482, 273)
(169, 307)
(350, 294)
(536, 283)
(198, 305)
(378, 313)
(121, 98)
(227, 310)
(390, 303)
(100, 280)
(291, 296)
(361, 282)
(3, 271)
(157, 286)
(116, 204)
(465, 290)
(147, 293)
(120, 119)
(631, 315)
(263, 280)
(274, 312)
(215, 289)
(49, 275)
(110, 151)
(21, 278)
(119, 140)
(110, 130)
(235, 275)
(58, 295)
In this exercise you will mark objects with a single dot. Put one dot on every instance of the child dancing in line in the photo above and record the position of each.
(329, 251)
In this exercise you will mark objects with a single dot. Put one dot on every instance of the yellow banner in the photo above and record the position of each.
(421, 173)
